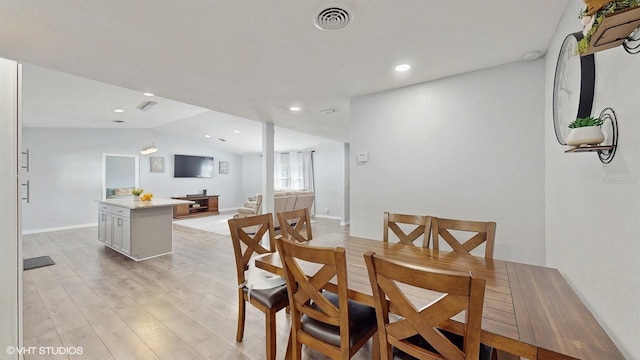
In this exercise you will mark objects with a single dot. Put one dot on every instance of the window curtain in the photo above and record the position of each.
(308, 171)
(277, 171)
(294, 170)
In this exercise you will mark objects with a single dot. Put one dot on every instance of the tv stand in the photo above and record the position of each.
(203, 205)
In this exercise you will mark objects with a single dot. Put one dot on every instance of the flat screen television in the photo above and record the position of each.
(190, 166)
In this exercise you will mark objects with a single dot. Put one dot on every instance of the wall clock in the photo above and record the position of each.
(573, 86)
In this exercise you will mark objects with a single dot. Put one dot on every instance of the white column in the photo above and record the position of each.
(267, 166)
(347, 188)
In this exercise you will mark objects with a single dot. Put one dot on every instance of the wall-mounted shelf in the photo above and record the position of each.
(589, 148)
(614, 30)
(607, 150)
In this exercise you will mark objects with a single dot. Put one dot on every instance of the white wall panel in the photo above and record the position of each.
(66, 174)
(592, 209)
(10, 241)
(466, 147)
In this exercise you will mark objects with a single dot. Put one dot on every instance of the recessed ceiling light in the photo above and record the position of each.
(221, 139)
(118, 110)
(118, 121)
(236, 131)
(329, 111)
(207, 136)
(403, 67)
(148, 94)
(294, 108)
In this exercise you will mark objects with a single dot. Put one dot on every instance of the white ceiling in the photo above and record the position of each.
(249, 59)
(56, 99)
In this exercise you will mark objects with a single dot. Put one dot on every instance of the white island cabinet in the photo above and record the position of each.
(137, 229)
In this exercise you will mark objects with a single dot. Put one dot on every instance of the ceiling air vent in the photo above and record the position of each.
(146, 105)
(332, 18)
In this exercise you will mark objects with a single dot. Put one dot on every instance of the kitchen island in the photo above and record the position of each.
(137, 229)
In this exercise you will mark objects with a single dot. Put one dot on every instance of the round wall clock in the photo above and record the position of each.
(573, 86)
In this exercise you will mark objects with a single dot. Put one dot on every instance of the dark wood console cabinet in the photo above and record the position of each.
(203, 205)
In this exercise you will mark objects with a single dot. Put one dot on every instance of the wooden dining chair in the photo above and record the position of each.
(481, 232)
(295, 225)
(326, 321)
(422, 228)
(246, 235)
(418, 332)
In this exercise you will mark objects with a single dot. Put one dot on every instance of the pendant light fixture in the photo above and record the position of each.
(148, 148)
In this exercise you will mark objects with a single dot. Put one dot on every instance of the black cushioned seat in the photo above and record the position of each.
(362, 319)
(457, 340)
(270, 298)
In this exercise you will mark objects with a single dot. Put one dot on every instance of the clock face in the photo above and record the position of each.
(573, 86)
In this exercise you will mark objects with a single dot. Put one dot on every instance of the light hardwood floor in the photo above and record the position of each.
(178, 306)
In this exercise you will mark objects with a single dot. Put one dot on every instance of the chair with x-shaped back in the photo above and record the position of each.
(246, 235)
(482, 232)
(294, 223)
(422, 228)
(326, 321)
(418, 332)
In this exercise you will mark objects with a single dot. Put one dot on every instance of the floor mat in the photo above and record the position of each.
(37, 262)
(215, 223)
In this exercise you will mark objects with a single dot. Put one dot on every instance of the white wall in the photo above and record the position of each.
(328, 165)
(66, 172)
(251, 175)
(466, 147)
(593, 210)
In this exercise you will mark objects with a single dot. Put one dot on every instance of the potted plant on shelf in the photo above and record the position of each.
(585, 131)
(136, 193)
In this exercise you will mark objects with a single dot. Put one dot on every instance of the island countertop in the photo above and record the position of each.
(137, 229)
(131, 204)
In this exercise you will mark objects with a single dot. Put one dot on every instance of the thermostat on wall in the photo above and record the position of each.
(363, 156)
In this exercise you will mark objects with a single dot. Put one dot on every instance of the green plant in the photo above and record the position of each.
(582, 122)
(137, 192)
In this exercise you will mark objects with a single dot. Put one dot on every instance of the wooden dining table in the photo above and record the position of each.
(529, 311)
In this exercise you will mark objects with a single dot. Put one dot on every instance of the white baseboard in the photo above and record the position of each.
(327, 217)
(229, 210)
(69, 227)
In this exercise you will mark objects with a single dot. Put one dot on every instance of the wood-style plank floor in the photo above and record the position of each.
(178, 306)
